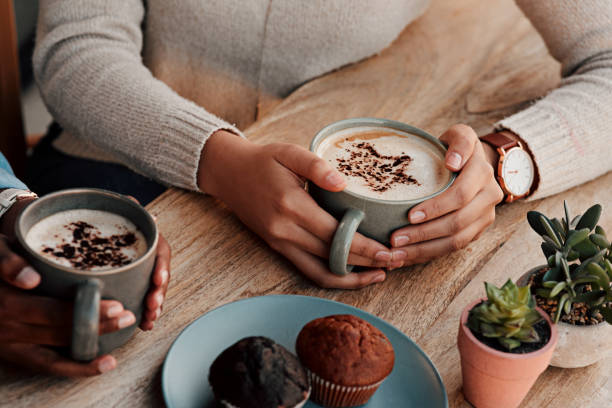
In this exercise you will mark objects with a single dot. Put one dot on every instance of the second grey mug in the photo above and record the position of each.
(372, 217)
(128, 284)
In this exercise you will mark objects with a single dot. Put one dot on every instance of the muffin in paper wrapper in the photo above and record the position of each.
(335, 396)
(298, 405)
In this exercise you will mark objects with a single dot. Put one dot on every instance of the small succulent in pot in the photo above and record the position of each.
(579, 259)
(507, 315)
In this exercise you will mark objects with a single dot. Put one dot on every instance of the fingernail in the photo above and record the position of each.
(396, 264)
(157, 313)
(164, 276)
(379, 278)
(401, 240)
(334, 179)
(454, 160)
(383, 256)
(114, 311)
(159, 299)
(27, 277)
(126, 320)
(106, 365)
(417, 216)
(398, 255)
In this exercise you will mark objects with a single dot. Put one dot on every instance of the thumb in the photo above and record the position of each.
(14, 270)
(306, 164)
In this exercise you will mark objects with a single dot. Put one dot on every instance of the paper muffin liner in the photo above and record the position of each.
(333, 395)
(298, 405)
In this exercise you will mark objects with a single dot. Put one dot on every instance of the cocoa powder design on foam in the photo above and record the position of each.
(380, 172)
(88, 249)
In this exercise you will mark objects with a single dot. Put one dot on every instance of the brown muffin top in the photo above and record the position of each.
(345, 350)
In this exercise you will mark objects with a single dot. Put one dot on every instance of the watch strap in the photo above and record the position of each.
(9, 196)
(499, 141)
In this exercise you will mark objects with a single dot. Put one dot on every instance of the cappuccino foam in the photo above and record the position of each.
(89, 240)
(385, 163)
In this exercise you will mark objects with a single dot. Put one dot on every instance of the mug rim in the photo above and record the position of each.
(95, 191)
(381, 123)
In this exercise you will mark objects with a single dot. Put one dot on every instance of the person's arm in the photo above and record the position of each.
(90, 72)
(568, 131)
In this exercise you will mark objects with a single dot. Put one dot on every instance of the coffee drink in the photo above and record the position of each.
(385, 163)
(84, 239)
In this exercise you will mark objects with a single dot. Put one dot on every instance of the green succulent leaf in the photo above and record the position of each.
(567, 308)
(581, 269)
(599, 230)
(557, 289)
(567, 216)
(589, 297)
(597, 271)
(527, 335)
(509, 344)
(586, 249)
(550, 231)
(572, 255)
(553, 274)
(608, 266)
(599, 240)
(549, 284)
(543, 293)
(548, 249)
(533, 217)
(559, 228)
(560, 306)
(575, 237)
(575, 221)
(590, 218)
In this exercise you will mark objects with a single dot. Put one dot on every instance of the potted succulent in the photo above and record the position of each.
(574, 285)
(505, 343)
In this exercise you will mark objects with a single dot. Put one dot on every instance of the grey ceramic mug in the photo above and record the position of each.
(372, 217)
(128, 284)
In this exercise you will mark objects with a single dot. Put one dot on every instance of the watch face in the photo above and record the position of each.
(517, 171)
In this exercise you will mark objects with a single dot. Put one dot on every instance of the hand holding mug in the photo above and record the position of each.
(29, 323)
(453, 219)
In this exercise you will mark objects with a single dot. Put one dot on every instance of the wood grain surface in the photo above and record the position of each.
(470, 61)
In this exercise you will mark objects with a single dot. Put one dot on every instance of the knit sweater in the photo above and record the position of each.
(146, 86)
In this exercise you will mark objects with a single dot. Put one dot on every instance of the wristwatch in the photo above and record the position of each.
(9, 196)
(515, 169)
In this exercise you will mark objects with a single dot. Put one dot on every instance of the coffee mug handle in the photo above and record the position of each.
(343, 238)
(85, 322)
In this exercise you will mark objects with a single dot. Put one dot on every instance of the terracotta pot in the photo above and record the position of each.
(578, 346)
(495, 379)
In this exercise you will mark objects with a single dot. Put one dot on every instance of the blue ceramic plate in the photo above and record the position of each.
(414, 381)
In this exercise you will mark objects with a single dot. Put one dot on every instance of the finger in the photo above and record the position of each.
(17, 332)
(44, 360)
(19, 306)
(110, 309)
(14, 270)
(425, 251)
(301, 207)
(125, 319)
(307, 164)
(474, 176)
(314, 269)
(303, 239)
(483, 205)
(461, 140)
(161, 274)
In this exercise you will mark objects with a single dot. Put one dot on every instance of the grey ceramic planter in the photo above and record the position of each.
(578, 346)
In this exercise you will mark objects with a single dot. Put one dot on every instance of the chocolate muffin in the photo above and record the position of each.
(258, 373)
(346, 358)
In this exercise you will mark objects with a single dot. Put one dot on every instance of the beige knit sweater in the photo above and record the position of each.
(146, 86)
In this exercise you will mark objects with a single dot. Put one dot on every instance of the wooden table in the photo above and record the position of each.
(470, 61)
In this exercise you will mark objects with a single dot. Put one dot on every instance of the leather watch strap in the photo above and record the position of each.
(499, 141)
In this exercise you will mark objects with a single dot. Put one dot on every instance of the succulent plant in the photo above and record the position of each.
(508, 315)
(579, 257)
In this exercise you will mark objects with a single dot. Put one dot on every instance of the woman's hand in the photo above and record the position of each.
(159, 285)
(29, 322)
(453, 219)
(264, 186)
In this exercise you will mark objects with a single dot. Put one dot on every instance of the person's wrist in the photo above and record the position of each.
(220, 151)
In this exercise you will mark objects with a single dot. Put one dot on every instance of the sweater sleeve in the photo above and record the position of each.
(568, 131)
(90, 72)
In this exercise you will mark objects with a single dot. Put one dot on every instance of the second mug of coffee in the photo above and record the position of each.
(389, 167)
